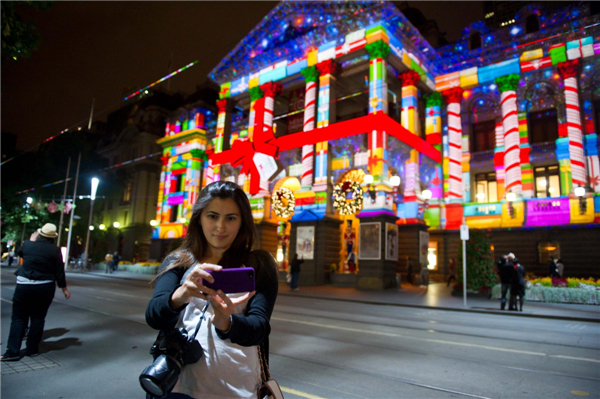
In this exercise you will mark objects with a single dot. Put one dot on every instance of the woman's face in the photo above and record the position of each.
(220, 220)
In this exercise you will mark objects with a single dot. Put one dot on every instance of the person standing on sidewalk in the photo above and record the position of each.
(42, 270)
(505, 272)
(296, 262)
(115, 262)
(409, 270)
(517, 285)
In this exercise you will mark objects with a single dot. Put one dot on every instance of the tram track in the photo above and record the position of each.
(349, 317)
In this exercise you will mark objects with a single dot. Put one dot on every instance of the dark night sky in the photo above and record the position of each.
(99, 49)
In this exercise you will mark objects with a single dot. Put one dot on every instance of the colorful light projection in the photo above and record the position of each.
(191, 64)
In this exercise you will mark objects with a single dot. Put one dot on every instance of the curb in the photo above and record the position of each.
(470, 310)
(110, 276)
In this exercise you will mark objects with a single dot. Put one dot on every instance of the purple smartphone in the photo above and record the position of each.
(232, 281)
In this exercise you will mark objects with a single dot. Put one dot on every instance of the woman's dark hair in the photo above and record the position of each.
(194, 244)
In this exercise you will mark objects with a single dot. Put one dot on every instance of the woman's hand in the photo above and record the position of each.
(192, 286)
(224, 307)
(66, 293)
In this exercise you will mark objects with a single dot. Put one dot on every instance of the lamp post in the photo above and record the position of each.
(426, 194)
(580, 193)
(29, 202)
(95, 182)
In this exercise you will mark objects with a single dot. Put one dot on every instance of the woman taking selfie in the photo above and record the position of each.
(220, 235)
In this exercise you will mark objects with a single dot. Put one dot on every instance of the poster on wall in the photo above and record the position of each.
(423, 247)
(391, 241)
(369, 243)
(305, 242)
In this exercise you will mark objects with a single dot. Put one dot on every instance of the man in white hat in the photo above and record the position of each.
(42, 270)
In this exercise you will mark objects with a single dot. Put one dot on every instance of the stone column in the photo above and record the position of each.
(325, 115)
(223, 133)
(507, 85)
(311, 75)
(568, 71)
(378, 155)
(410, 121)
(525, 148)
(433, 135)
(455, 184)
(270, 90)
(499, 159)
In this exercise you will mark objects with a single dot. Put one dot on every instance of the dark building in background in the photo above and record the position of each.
(9, 143)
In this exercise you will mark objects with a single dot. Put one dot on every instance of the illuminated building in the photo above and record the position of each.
(498, 129)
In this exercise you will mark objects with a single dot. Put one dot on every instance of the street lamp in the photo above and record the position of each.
(426, 194)
(510, 198)
(95, 182)
(580, 193)
(116, 225)
(368, 179)
(29, 202)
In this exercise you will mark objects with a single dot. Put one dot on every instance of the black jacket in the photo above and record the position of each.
(505, 270)
(296, 265)
(42, 260)
(250, 329)
(518, 276)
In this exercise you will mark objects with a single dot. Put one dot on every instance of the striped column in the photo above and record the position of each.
(270, 90)
(325, 115)
(378, 155)
(433, 135)
(410, 121)
(455, 185)
(162, 197)
(507, 86)
(499, 159)
(219, 137)
(568, 71)
(308, 158)
(525, 149)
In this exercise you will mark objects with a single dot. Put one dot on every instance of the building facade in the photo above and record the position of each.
(360, 144)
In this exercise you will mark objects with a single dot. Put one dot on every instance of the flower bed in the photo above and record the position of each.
(589, 295)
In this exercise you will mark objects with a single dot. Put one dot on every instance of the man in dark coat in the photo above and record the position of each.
(505, 272)
(295, 264)
(42, 270)
(517, 285)
(552, 269)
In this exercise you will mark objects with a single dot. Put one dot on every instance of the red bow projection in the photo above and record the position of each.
(242, 152)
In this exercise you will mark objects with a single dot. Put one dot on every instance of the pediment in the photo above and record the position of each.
(293, 28)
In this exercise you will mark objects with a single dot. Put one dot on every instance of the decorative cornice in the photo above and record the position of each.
(434, 99)
(272, 89)
(409, 78)
(508, 82)
(453, 95)
(378, 49)
(569, 69)
(255, 93)
(328, 67)
(310, 74)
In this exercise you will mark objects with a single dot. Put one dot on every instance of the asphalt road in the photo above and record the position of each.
(97, 343)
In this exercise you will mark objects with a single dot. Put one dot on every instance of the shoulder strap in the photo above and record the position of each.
(264, 367)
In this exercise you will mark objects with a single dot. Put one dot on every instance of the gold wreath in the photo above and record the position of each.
(341, 203)
(281, 208)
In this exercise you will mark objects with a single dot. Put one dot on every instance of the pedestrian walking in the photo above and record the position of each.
(108, 259)
(11, 255)
(505, 272)
(221, 234)
(517, 285)
(560, 267)
(42, 270)
(409, 270)
(296, 262)
(451, 271)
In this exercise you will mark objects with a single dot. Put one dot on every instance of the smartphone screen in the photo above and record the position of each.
(232, 281)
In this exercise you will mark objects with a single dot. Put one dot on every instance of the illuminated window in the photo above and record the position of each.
(432, 255)
(173, 215)
(547, 182)
(546, 250)
(127, 193)
(487, 188)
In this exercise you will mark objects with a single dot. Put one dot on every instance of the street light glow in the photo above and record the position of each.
(368, 179)
(116, 224)
(102, 227)
(91, 228)
(95, 183)
(395, 180)
(579, 191)
(153, 223)
(29, 200)
(426, 194)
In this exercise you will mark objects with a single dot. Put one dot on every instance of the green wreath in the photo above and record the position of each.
(347, 206)
(282, 208)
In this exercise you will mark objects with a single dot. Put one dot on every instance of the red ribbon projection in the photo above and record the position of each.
(242, 152)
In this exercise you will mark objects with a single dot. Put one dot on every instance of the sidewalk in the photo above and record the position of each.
(436, 296)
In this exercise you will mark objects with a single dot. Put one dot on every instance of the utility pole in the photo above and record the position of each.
(62, 213)
(72, 212)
